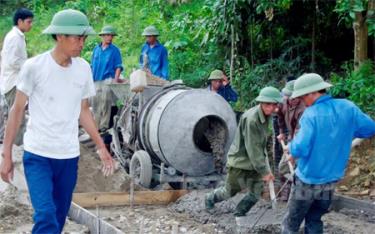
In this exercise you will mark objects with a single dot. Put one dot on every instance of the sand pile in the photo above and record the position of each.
(91, 179)
(12, 212)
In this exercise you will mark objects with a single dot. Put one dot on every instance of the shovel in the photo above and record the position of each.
(272, 195)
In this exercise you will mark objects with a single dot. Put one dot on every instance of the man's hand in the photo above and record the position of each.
(108, 165)
(291, 159)
(225, 80)
(269, 177)
(6, 168)
(118, 80)
(148, 72)
(281, 137)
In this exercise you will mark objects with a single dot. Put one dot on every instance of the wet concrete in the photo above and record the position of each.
(344, 221)
(216, 136)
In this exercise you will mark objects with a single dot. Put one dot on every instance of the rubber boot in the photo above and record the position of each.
(210, 200)
(244, 206)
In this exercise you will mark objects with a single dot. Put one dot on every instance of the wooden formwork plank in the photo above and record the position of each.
(95, 225)
(102, 199)
(339, 202)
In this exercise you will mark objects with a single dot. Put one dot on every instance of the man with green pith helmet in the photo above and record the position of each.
(247, 163)
(56, 85)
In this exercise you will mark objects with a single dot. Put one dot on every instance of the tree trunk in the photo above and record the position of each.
(371, 8)
(360, 39)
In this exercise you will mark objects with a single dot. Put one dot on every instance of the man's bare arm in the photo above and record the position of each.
(15, 118)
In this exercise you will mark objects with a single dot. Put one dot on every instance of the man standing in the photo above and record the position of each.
(13, 56)
(57, 85)
(322, 148)
(154, 56)
(220, 84)
(247, 161)
(290, 111)
(106, 64)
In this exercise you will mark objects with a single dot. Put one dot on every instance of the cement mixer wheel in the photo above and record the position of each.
(141, 168)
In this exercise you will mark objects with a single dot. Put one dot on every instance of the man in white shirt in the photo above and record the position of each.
(13, 57)
(57, 85)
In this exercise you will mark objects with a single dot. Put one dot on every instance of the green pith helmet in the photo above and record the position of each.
(108, 30)
(216, 75)
(270, 95)
(309, 83)
(69, 22)
(150, 31)
(288, 89)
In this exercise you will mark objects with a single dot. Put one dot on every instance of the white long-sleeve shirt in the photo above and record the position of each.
(13, 56)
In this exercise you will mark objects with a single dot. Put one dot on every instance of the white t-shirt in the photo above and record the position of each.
(55, 94)
(13, 55)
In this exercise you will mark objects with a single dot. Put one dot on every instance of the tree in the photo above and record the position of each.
(361, 15)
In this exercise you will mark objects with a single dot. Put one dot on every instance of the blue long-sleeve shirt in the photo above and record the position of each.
(322, 145)
(227, 92)
(157, 59)
(104, 63)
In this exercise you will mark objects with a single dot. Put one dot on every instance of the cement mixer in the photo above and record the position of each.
(170, 133)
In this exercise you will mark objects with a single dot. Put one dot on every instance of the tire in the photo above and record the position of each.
(141, 168)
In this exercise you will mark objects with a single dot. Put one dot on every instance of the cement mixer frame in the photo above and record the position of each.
(137, 154)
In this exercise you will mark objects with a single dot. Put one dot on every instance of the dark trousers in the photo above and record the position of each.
(51, 183)
(307, 202)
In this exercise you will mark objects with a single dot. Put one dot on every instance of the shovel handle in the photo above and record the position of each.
(272, 194)
(283, 144)
(291, 168)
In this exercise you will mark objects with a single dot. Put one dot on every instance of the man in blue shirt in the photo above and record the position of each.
(154, 56)
(322, 148)
(106, 64)
(219, 83)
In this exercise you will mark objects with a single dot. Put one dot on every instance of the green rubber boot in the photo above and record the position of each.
(210, 201)
(244, 206)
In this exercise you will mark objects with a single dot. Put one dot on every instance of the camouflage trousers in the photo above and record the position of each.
(102, 103)
(236, 181)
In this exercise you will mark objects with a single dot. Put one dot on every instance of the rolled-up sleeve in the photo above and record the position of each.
(118, 60)
(165, 64)
(365, 126)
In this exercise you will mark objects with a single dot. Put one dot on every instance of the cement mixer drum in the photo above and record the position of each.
(186, 132)
(176, 126)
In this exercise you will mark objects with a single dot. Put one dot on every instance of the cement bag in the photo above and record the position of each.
(138, 81)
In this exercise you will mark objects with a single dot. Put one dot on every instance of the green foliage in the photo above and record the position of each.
(269, 43)
(348, 8)
(357, 85)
